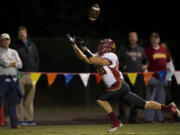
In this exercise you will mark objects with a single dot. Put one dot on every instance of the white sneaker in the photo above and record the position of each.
(174, 109)
(114, 127)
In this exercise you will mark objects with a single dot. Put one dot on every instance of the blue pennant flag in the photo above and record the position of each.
(68, 78)
(162, 75)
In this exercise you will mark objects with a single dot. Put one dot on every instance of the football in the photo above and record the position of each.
(94, 12)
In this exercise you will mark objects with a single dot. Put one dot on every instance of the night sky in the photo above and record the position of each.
(55, 18)
(117, 18)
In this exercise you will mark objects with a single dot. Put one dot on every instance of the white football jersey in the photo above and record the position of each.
(110, 74)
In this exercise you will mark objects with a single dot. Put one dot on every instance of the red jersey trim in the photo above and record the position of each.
(118, 83)
(116, 86)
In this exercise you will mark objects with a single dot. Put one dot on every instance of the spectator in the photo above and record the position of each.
(158, 59)
(169, 75)
(29, 55)
(9, 63)
(132, 59)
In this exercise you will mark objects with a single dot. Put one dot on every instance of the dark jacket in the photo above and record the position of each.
(29, 55)
(133, 58)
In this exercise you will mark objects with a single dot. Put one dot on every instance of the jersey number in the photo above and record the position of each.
(100, 70)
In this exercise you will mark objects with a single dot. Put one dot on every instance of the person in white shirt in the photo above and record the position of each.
(9, 63)
(106, 63)
(169, 75)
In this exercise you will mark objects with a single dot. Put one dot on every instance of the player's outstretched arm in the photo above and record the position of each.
(91, 60)
(87, 55)
(99, 61)
(80, 54)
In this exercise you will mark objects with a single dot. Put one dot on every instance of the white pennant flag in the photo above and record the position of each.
(177, 75)
(84, 77)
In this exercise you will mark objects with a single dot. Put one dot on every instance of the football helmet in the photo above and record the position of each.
(106, 45)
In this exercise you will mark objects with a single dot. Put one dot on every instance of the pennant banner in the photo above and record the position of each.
(35, 77)
(84, 77)
(98, 78)
(147, 77)
(51, 78)
(177, 76)
(132, 77)
(162, 75)
(68, 78)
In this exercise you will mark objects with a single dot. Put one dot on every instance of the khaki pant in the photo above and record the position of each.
(25, 110)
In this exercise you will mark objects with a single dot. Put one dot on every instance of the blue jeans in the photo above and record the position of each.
(155, 91)
(10, 89)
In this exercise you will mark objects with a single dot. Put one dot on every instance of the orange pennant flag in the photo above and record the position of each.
(98, 78)
(147, 77)
(51, 78)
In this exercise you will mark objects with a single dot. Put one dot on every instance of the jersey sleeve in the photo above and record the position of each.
(112, 58)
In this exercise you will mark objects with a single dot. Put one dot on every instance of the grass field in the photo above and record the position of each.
(127, 129)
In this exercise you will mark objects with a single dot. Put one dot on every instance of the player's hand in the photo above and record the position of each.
(75, 40)
(79, 41)
(71, 39)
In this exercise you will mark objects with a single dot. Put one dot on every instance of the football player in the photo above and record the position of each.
(106, 63)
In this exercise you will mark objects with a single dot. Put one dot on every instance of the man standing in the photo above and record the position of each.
(132, 58)
(30, 58)
(9, 63)
(158, 58)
